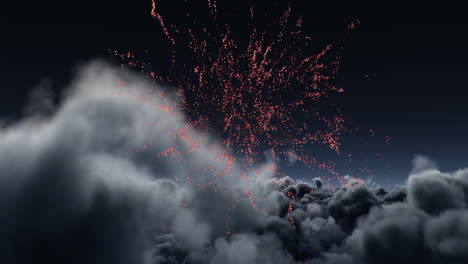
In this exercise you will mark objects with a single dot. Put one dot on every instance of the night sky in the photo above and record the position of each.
(403, 69)
(99, 169)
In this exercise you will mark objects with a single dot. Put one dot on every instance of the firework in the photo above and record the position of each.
(266, 95)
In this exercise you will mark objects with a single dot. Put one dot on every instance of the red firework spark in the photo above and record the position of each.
(264, 95)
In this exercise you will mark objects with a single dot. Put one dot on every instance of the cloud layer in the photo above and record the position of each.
(85, 185)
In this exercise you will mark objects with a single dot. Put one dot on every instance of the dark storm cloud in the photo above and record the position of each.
(73, 189)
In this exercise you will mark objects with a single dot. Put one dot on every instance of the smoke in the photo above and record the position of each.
(85, 184)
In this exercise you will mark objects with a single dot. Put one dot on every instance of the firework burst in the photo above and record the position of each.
(265, 95)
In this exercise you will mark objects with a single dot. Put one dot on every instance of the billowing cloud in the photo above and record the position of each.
(422, 163)
(87, 184)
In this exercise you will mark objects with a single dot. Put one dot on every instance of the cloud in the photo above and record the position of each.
(76, 189)
(435, 192)
(86, 183)
(428, 228)
(422, 163)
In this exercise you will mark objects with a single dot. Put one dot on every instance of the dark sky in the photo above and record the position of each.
(404, 69)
